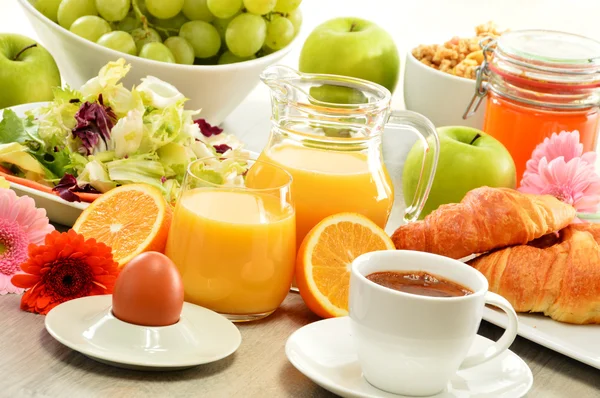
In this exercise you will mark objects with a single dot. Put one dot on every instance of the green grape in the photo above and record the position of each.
(246, 34)
(221, 25)
(119, 41)
(280, 32)
(143, 36)
(157, 52)
(164, 9)
(169, 27)
(90, 27)
(129, 23)
(229, 58)
(70, 10)
(203, 37)
(286, 6)
(259, 7)
(47, 7)
(224, 8)
(141, 6)
(296, 18)
(197, 10)
(182, 50)
(266, 50)
(113, 10)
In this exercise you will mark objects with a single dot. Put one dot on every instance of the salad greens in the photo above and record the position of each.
(104, 135)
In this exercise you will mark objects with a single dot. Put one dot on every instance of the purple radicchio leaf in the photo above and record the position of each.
(94, 122)
(67, 186)
(206, 129)
(222, 148)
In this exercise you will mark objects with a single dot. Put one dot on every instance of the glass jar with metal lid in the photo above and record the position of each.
(539, 82)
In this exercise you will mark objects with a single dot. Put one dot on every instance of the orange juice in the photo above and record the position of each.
(327, 182)
(235, 250)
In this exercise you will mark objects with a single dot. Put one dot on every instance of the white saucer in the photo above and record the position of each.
(324, 352)
(87, 325)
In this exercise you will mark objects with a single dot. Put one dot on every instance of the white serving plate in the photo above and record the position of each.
(58, 210)
(579, 342)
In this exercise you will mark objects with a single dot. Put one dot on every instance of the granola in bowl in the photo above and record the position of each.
(458, 56)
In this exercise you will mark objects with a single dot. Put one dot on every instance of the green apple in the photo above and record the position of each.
(27, 71)
(469, 159)
(352, 47)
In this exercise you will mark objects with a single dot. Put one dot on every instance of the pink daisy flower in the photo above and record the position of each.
(574, 182)
(565, 144)
(20, 224)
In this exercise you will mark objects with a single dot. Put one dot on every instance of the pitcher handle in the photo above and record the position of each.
(427, 133)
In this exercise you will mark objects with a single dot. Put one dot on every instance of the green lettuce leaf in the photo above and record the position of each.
(172, 188)
(96, 174)
(175, 158)
(18, 155)
(137, 169)
(66, 94)
(16, 129)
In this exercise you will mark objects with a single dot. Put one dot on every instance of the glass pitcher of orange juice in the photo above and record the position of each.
(326, 132)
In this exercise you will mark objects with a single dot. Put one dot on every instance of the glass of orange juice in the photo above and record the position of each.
(233, 236)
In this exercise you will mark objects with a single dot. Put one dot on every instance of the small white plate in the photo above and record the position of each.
(87, 325)
(324, 352)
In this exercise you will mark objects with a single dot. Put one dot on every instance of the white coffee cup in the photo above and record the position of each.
(410, 344)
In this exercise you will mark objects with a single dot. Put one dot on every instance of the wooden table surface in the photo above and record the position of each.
(33, 364)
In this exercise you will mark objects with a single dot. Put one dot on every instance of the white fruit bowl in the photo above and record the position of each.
(216, 89)
(439, 96)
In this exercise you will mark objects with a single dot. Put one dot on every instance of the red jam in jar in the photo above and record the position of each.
(540, 82)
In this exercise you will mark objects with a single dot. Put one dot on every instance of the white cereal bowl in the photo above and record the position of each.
(216, 89)
(439, 96)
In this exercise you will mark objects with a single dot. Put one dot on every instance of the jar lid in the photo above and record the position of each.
(548, 56)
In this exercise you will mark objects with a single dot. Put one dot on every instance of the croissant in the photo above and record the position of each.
(486, 219)
(557, 275)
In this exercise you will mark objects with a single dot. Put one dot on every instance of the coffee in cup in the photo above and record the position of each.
(415, 315)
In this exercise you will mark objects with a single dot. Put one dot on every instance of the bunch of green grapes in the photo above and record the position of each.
(201, 32)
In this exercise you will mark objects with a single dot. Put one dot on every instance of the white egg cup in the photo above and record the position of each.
(87, 325)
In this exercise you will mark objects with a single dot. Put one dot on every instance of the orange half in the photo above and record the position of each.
(326, 255)
(131, 219)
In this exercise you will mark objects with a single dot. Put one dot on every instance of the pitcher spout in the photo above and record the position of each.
(283, 81)
(275, 73)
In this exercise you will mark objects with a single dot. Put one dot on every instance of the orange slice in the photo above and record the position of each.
(325, 257)
(130, 219)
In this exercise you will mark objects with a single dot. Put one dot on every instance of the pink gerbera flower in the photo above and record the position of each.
(20, 224)
(565, 144)
(574, 182)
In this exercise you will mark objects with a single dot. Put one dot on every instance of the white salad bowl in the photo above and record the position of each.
(216, 89)
(439, 96)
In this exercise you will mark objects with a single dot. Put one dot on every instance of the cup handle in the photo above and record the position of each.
(426, 132)
(504, 342)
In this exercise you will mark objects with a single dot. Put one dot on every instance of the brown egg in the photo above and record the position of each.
(148, 291)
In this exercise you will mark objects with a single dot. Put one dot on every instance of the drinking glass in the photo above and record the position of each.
(234, 239)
